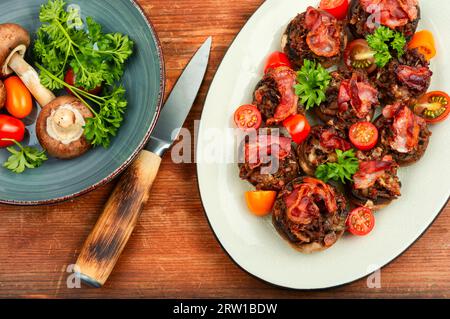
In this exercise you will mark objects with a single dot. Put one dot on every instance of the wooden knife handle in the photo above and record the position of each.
(107, 240)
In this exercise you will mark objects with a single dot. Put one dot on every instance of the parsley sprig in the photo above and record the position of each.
(343, 170)
(313, 81)
(62, 42)
(24, 158)
(383, 41)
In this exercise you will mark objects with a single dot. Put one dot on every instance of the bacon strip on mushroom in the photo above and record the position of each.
(370, 171)
(260, 150)
(392, 13)
(417, 78)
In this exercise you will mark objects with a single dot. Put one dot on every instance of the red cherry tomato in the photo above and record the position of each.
(70, 79)
(248, 117)
(10, 128)
(363, 135)
(19, 102)
(298, 127)
(358, 55)
(360, 221)
(434, 107)
(337, 8)
(276, 60)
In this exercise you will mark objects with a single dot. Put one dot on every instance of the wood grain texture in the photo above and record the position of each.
(110, 235)
(173, 252)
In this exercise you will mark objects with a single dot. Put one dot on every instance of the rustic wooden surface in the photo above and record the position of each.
(173, 252)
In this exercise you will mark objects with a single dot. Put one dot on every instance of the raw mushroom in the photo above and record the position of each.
(2, 94)
(14, 41)
(60, 127)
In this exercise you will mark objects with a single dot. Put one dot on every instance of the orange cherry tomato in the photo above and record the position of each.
(19, 102)
(434, 107)
(260, 203)
(360, 221)
(424, 42)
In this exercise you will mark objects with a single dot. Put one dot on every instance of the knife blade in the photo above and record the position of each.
(179, 102)
(105, 243)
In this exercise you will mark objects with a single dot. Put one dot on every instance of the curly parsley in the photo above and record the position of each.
(346, 166)
(313, 81)
(382, 41)
(24, 158)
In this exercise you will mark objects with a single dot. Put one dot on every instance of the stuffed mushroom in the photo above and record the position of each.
(310, 214)
(60, 127)
(314, 35)
(403, 134)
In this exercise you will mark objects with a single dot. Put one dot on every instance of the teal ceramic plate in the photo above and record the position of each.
(144, 81)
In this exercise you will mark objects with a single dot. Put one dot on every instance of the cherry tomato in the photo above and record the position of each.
(425, 44)
(298, 127)
(360, 221)
(70, 79)
(358, 55)
(10, 128)
(363, 135)
(276, 60)
(248, 117)
(433, 107)
(19, 102)
(337, 8)
(260, 203)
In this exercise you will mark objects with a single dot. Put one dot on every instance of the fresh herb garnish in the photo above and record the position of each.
(346, 166)
(313, 81)
(24, 158)
(95, 57)
(382, 41)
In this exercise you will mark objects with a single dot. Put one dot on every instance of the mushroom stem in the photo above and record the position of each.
(30, 78)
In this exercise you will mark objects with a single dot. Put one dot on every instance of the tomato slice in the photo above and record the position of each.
(363, 135)
(10, 128)
(360, 221)
(298, 127)
(247, 117)
(358, 55)
(275, 60)
(70, 79)
(337, 8)
(260, 203)
(424, 42)
(433, 107)
(19, 102)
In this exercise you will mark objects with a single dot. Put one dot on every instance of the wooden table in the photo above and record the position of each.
(173, 252)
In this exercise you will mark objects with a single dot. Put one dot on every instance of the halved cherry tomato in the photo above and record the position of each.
(260, 203)
(360, 221)
(10, 128)
(337, 8)
(19, 102)
(276, 60)
(424, 42)
(248, 117)
(298, 127)
(70, 79)
(434, 107)
(363, 135)
(358, 55)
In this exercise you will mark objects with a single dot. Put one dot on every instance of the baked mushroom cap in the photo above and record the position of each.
(60, 127)
(2, 94)
(13, 39)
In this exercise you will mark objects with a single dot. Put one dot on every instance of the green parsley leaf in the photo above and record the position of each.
(313, 81)
(343, 170)
(24, 158)
(382, 41)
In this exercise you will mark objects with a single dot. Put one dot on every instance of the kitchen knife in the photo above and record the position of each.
(107, 240)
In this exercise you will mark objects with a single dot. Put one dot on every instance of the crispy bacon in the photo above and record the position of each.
(329, 139)
(324, 36)
(358, 94)
(260, 150)
(417, 78)
(391, 13)
(285, 78)
(370, 171)
(406, 131)
(302, 202)
(389, 111)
